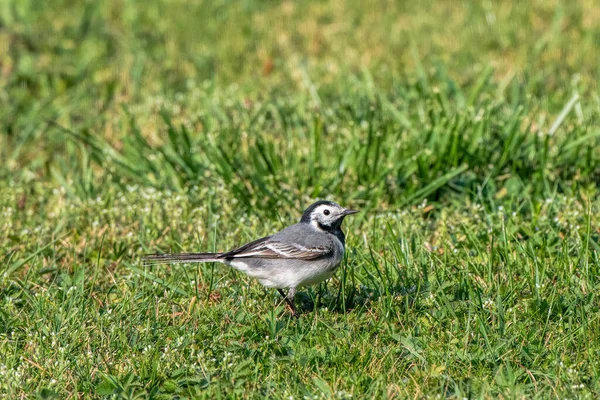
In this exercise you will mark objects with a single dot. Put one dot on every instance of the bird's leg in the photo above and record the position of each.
(289, 299)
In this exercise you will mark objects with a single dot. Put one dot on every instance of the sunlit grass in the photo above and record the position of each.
(488, 300)
(467, 136)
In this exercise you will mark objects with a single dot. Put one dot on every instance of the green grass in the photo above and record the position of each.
(466, 134)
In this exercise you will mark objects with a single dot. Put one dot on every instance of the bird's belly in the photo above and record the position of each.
(317, 277)
(305, 274)
(287, 273)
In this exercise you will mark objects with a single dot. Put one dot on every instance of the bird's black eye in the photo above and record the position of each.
(326, 212)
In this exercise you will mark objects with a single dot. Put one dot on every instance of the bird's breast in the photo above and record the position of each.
(338, 253)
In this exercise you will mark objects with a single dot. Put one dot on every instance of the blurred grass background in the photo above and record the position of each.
(466, 132)
(92, 67)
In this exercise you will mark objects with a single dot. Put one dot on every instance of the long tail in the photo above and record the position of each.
(181, 258)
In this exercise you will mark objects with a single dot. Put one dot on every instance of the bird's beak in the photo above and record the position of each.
(349, 212)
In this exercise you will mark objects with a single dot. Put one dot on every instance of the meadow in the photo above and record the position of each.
(466, 133)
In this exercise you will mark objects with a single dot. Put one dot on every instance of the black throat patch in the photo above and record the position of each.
(336, 231)
(324, 227)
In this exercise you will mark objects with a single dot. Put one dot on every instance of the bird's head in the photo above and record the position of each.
(325, 215)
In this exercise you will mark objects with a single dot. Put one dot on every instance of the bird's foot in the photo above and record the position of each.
(290, 303)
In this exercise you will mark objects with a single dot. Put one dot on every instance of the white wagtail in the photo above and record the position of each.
(300, 255)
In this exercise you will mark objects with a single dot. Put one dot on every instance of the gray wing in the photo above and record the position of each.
(287, 244)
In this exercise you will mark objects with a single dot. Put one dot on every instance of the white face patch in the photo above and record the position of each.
(326, 215)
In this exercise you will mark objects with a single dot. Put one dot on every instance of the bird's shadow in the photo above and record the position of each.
(355, 299)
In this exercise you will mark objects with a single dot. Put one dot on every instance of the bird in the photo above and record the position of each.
(300, 255)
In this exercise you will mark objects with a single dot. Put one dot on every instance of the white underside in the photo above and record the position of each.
(286, 277)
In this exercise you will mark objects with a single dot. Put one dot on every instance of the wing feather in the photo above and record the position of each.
(268, 248)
